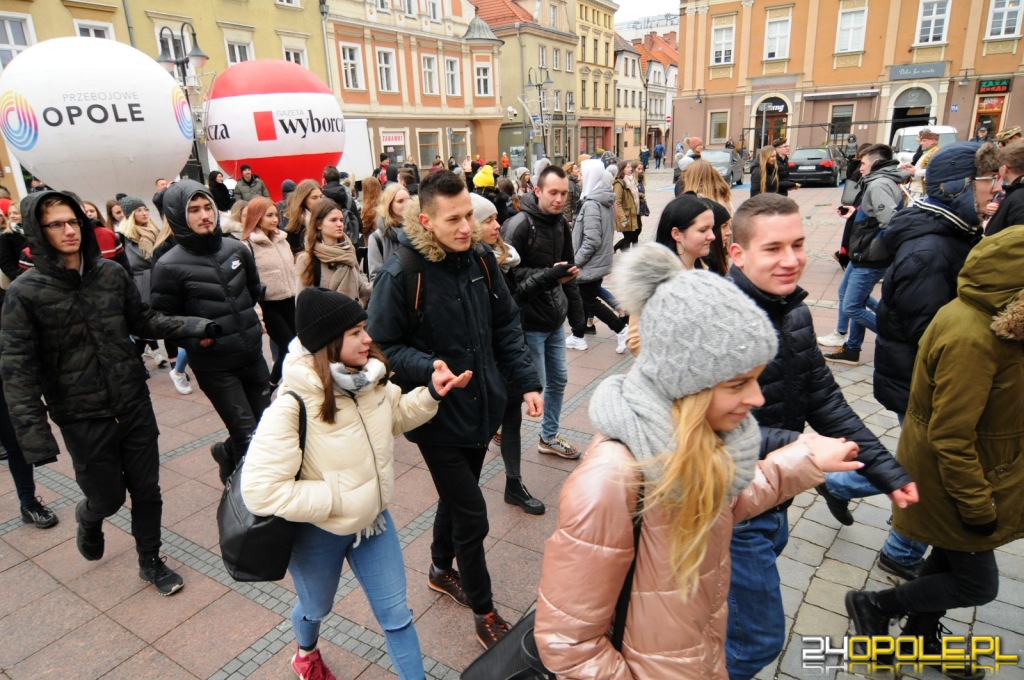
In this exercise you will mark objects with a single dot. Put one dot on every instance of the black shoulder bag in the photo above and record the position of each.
(515, 656)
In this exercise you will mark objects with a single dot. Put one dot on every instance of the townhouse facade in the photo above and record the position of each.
(630, 100)
(538, 75)
(595, 57)
(818, 72)
(660, 62)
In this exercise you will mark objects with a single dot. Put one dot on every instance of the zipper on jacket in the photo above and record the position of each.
(227, 289)
(373, 452)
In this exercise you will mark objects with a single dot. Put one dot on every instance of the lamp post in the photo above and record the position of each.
(197, 59)
(540, 102)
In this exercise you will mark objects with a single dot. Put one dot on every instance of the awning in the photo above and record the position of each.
(843, 94)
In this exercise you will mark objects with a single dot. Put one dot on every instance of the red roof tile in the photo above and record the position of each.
(501, 12)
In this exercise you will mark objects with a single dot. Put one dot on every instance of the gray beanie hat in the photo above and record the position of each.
(129, 204)
(482, 208)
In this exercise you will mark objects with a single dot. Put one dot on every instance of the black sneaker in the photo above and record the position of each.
(89, 539)
(516, 494)
(907, 572)
(844, 356)
(38, 514)
(154, 570)
(447, 582)
(840, 509)
(224, 462)
(591, 329)
(490, 628)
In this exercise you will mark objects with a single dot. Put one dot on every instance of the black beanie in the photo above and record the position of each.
(323, 315)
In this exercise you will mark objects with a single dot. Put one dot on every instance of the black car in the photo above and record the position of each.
(826, 165)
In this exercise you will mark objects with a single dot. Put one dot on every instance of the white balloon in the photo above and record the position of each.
(94, 116)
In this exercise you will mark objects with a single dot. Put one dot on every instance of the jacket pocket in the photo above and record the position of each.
(1006, 480)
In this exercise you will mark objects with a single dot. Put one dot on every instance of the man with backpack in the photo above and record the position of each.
(541, 236)
(445, 298)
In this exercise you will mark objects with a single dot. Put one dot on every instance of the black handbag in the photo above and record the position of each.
(515, 656)
(255, 548)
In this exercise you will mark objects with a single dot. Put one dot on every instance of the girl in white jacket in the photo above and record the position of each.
(345, 476)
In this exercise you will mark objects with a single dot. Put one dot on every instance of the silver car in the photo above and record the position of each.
(727, 162)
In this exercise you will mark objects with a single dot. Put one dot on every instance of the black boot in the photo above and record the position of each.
(868, 619)
(840, 509)
(927, 626)
(225, 463)
(516, 494)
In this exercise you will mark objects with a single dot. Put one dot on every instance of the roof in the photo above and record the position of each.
(623, 45)
(659, 48)
(479, 30)
(501, 12)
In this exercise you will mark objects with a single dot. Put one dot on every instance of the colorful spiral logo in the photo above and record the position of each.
(182, 112)
(18, 121)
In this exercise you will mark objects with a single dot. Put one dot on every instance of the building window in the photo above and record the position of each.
(636, 136)
(596, 103)
(583, 95)
(434, 10)
(410, 10)
(172, 46)
(568, 61)
(239, 52)
(429, 76)
(595, 51)
(570, 102)
(90, 30)
(607, 54)
(931, 24)
(1004, 19)
(451, 77)
(850, 35)
(591, 139)
(557, 100)
(721, 44)
(352, 67)
(542, 56)
(459, 145)
(842, 122)
(719, 127)
(776, 39)
(607, 96)
(290, 3)
(386, 71)
(384, 5)
(13, 38)
(483, 81)
(556, 58)
(553, 15)
(429, 148)
(295, 55)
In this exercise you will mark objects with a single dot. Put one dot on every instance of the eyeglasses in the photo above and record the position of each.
(994, 179)
(61, 225)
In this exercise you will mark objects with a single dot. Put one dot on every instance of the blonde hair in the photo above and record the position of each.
(762, 161)
(702, 179)
(693, 484)
(145, 240)
(387, 197)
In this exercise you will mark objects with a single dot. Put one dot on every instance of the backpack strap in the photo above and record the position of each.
(302, 423)
(622, 604)
(316, 271)
(412, 274)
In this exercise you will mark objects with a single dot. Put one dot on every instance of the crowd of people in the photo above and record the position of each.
(436, 306)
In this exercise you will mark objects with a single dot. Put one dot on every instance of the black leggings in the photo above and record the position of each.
(511, 437)
(279, 318)
(590, 291)
(629, 239)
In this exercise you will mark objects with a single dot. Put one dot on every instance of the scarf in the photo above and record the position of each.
(341, 253)
(630, 409)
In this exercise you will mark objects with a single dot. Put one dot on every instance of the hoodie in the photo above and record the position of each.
(880, 199)
(593, 232)
(210, 276)
(64, 338)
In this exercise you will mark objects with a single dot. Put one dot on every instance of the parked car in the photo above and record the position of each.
(824, 164)
(727, 162)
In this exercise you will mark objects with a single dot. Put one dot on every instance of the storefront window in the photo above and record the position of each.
(428, 148)
(459, 145)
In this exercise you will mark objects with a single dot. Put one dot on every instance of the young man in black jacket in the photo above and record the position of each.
(799, 390)
(216, 277)
(467, 318)
(67, 354)
(1011, 210)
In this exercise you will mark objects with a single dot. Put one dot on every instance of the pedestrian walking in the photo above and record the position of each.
(659, 155)
(390, 216)
(296, 213)
(627, 205)
(330, 257)
(249, 186)
(686, 228)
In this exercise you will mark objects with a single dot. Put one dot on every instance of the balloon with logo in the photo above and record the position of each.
(96, 117)
(278, 118)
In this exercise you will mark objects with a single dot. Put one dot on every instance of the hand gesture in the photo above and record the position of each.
(832, 455)
(905, 495)
(444, 380)
(573, 273)
(206, 342)
(534, 404)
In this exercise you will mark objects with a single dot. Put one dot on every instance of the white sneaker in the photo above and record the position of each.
(160, 358)
(572, 342)
(833, 339)
(180, 381)
(620, 340)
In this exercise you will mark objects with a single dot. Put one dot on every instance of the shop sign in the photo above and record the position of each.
(392, 138)
(935, 69)
(994, 86)
(990, 104)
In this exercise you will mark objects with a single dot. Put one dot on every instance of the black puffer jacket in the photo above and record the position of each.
(1011, 210)
(212, 277)
(547, 242)
(799, 390)
(930, 245)
(467, 324)
(336, 192)
(64, 339)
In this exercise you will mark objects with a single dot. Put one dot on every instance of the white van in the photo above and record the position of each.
(904, 142)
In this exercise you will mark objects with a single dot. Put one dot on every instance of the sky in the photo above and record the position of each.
(634, 9)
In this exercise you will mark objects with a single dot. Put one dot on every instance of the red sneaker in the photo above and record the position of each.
(311, 666)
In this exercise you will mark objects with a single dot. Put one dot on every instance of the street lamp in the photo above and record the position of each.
(195, 58)
(540, 102)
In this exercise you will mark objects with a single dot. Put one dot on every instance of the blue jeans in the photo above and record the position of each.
(843, 323)
(757, 622)
(317, 558)
(181, 363)
(854, 305)
(548, 353)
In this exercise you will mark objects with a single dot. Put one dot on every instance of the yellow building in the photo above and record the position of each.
(227, 32)
(815, 71)
(595, 56)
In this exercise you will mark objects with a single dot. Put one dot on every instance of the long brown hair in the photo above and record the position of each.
(296, 206)
(702, 179)
(762, 161)
(321, 363)
(321, 209)
(258, 208)
(371, 196)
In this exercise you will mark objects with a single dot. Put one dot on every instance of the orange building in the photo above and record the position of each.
(815, 71)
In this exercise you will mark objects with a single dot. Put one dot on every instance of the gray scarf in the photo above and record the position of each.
(360, 381)
(629, 408)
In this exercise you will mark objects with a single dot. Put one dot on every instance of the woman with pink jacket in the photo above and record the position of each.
(676, 428)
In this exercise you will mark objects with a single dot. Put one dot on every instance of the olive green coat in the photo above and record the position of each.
(963, 437)
(625, 207)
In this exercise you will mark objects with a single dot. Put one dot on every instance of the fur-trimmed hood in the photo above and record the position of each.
(415, 234)
(992, 280)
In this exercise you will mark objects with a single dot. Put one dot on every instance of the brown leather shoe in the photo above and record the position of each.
(490, 628)
(447, 582)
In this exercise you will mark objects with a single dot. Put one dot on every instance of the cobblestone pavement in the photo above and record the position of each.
(63, 617)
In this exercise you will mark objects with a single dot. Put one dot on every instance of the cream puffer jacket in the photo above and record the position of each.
(347, 476)
(586, 560)
(275, 263)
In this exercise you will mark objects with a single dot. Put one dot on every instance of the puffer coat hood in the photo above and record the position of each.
(176, 200)
(45, 257)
